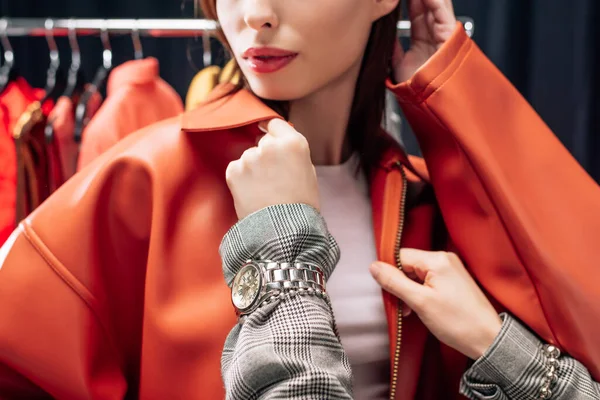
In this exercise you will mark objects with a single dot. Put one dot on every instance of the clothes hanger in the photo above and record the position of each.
(138, 51)
(207, 51)
(75, 78)
(55, 78)
(96, 85)
(206, 79)
(8, 72)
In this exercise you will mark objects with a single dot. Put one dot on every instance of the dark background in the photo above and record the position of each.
(549, 49)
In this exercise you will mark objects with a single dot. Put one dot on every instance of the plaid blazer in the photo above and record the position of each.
(289, 348)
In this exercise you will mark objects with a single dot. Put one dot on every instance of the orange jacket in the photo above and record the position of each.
(136, 97)
(113, 287)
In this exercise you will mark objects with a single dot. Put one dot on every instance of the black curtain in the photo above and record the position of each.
(549, 49)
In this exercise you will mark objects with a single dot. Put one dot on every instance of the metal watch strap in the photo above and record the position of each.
(276, 280)
(286, 276)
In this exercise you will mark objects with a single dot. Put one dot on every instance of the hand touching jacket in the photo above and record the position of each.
(510, 361)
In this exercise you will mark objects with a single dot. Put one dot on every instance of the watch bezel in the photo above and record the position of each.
(238, 276)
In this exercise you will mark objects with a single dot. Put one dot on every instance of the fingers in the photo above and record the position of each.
(397, 283)
(265, 140)
(283, 137)
(278, 128)
(421, 263)
(250, 156)
(236, 167)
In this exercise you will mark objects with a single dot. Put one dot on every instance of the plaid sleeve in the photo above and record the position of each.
(287, 349)
(514, 366)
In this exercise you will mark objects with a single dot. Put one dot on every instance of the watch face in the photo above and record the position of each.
(246, 286)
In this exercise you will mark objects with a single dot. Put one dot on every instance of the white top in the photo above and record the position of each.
(355, 296)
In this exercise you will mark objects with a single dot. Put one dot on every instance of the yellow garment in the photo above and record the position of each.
(207, 79)
(202, 84)
(230, 73)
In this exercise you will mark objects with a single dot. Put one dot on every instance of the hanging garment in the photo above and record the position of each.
(7, 184)
(136, 97)
(39, 171)
(230, 73)
(62, 120)
(207, 79)
(14, 100)
(202, 84)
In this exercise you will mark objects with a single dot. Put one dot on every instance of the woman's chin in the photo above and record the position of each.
(276, 92)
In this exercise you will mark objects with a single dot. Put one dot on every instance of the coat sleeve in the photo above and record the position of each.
(515, 367)
(522, 212)
(288, 348)
(59, 334)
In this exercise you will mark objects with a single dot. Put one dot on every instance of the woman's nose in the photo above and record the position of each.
(260, 15)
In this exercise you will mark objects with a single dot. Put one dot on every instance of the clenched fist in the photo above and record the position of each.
(277, 171)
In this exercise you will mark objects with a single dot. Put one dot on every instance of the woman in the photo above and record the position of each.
(112, 288)
(289, 348)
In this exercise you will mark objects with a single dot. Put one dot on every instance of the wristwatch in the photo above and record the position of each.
(258, 281)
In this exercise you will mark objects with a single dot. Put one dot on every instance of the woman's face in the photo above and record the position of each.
(288, 49)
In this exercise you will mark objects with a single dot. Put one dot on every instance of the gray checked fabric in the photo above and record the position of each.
(514, 366)
(288, 349)
(281, 233)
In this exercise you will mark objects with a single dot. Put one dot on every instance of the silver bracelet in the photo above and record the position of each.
(551, 353)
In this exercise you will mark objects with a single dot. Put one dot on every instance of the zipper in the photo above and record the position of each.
(400, 231)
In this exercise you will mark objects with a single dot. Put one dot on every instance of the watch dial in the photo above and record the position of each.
(245, 287)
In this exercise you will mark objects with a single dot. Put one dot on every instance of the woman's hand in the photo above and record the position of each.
(432, 23)
(277, 171)
(447, 300)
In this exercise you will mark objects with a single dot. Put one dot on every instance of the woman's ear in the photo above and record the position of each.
(383, 7)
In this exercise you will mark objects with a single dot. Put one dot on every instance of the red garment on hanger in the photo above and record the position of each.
(14, 100)
(62, 118)
(136, 97)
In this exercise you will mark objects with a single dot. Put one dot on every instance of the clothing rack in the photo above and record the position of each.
(145, 27)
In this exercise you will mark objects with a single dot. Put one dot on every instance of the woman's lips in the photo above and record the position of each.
(266, 60)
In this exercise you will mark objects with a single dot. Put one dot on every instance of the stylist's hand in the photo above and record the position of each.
(277, 171)
(445, 297)
(432, 24)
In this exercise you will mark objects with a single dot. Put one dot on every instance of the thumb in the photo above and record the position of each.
(393, 280)
(278, 127)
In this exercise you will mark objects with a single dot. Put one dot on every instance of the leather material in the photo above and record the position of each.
(62, 121)
(518, 208)
(113, 286)
(136, 98)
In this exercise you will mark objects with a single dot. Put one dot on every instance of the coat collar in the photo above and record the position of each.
(225, 110)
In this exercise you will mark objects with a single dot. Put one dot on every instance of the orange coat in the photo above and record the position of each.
(136, 97)
(113, 287)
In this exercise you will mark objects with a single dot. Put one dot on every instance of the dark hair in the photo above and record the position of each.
(364, 126)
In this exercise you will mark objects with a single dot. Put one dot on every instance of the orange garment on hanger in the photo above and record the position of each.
(62, 119)
(117, 279)
(14, 100)
(136, 97)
